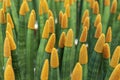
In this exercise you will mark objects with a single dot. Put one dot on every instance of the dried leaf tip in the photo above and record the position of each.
(106, 51)
(97, 20)
(7, 50)
(83, 55)
(87, 22)
(83, 36)
(85, 14)
(9, 61)
(62, 40)
(67, 10)
(115, 58)
(107, 2)
(54, 60)
(60, 17)
(98, 30)
(9, 29)
(9, 20)
(9, 73)
(45, 70)
(45, 6)
(32, 20)
(2, 17)
(116, 73)
(69, 38)
(109, 35)
(50, 14)
(64, 23)
(114, 7)
(24, 8)
(77, 72)
(45, 33)
(12, 43)
(118, 18)
(51, 43)
(95, 8)
(100, 44)
(8, 3)
(51, 25)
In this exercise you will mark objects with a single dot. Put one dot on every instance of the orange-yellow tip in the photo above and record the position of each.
(97, 20)
(116, 73)
(85, 14)
(83, 36)
(50, 14)
(9, 73)
(67, 10)
(114, 6)
(106, 51)
(9, 29)
(109, 35)
(40, 8)
(100, 44)
(98, 30)
(24, 8)
(4, 6)
(2, 17)
(66, 2)
(107, 2)
(45, 6)
(7, 50)
(95, 8)
(92, 3)
(8, 3)
(115, 58)
(64, 23)
(77, 72)
(71, 2)
(83, 55)
(51, 25)
(60, 17)
(54, 60)
(69, 38)
(51, 43)
(32, 20)
(87, 22)
(118, 18)
(11, 40)
(9, 20)
(45, 71)
(9, 61)
(62, 40)
(45, 33)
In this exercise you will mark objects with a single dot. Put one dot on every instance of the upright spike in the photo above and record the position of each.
(109, 35)
(45, 6)
(45, 70)
(83, 37)
(114, 6)
(85, 14)
(62, 40)
(87, 22)
(64, 23)
(9, 20)
(66, 2)
(91, 3)
(9, 61)
(106, 2)
(50, 14)
(9, 73)
(40, 8)
(2, 16)
(100, 43)
(7, 50)
(83, 55)
(67, 10)
(98, 30)
(106, 51)
(60, 17)
(9, 29)
(32, 20)
(51, 25)
(96, 8)
(97, 20)
(4, 6)
(54, 61)
(45, 33)
(8, 3)
(77, 72)
(51, 43)
(115, 58)
(116, 73)
(69, 38)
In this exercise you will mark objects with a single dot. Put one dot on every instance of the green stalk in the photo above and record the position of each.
(68, 57)
(96, 56)
(54, 63)
(29, 47)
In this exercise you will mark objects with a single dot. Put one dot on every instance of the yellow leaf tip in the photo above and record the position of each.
(96, 8)
(97, 20)
(62, 40)
(85, 14)
(83, 36)
(64, 23)
(51, 24)
(106, 51)
(98, 30)
(114, 6)
(109, 35)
